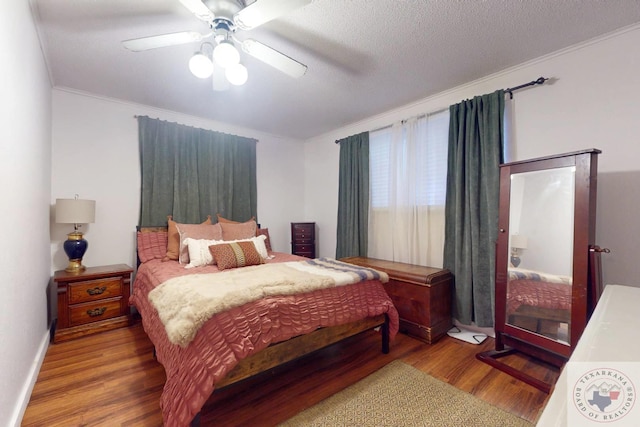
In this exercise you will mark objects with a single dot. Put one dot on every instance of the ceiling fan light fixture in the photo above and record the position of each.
(225, 54)
(200, 65)
(237, 74)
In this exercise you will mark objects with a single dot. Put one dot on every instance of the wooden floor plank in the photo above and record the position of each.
(112, 379)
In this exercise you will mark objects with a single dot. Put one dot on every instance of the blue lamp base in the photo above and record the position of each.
(75, 246)
(515, 260)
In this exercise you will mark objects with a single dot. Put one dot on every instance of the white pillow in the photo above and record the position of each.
(200, 255)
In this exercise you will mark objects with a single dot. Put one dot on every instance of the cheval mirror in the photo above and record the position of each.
(547, 266)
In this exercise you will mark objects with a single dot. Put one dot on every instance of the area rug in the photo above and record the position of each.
(400, 395)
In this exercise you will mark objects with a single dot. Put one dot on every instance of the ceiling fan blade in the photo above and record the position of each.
(199, 9)
(274, 58)
(172, 39)
(262, 11)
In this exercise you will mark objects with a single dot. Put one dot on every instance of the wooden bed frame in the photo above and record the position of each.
(296, 347)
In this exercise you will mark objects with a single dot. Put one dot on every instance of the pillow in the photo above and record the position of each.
(267, 241)
(235, 254)
(229, 221)
(152, 245)
(258, 242)
(245, 230)
(197, 232)
(199, 253)
(173, 243)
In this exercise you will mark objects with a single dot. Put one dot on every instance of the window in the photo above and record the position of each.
(431, 135)
(408, 178)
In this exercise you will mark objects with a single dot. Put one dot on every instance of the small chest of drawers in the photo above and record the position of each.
(94, 300)
(422, 296)
(303, 239)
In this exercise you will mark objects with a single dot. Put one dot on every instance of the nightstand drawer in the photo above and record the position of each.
(302, 234)
(299, 249)
(95, 290)
(92, 312)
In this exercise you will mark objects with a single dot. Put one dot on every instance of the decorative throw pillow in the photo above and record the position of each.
(258, 242)
(267, 240)
(173, 243)
(235, 254)
(197, 232)
(152, 245)
(199, 254)
(245, 230)
(229, 221)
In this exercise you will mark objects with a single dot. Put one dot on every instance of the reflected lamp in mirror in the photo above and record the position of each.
(76, 212)
(518, 242)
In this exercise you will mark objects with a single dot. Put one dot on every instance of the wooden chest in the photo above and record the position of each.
(422, 296)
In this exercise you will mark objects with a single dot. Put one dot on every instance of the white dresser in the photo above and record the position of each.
(610, 336)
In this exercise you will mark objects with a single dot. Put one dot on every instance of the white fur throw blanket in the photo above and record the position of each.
(185, 303)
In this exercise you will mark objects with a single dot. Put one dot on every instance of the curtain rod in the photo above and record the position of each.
(538, 81)
(442, 110)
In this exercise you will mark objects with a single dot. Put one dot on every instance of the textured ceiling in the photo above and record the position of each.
(364, 56)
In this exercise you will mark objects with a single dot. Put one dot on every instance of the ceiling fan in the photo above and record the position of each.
(225, 18)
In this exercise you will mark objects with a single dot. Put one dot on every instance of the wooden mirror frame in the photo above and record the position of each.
(585, 288)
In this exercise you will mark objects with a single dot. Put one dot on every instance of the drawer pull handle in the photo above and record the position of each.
(96, 290)
(96, 312)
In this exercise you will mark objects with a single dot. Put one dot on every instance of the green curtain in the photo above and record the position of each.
(191, 173)
(353, 196)
(473, 180)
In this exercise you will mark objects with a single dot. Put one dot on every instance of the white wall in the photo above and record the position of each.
(591, 102)
(95, 155)
(25, 170)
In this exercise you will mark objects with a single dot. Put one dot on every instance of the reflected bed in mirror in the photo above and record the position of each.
(540, 303)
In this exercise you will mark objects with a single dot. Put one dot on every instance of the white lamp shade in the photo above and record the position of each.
(237, 74)
(226, 54)
(519, 241)
(201, 66)
(75, 211)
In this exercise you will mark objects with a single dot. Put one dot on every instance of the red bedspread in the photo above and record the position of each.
(538, 294)
(231, 336)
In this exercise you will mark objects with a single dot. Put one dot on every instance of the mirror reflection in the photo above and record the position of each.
(541, 251)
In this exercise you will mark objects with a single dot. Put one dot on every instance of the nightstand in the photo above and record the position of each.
(303, 239)
(94, 300)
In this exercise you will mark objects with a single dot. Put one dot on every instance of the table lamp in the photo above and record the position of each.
(76, 212)
(518, 242)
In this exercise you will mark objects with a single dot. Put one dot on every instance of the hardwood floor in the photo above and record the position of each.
(112, 379)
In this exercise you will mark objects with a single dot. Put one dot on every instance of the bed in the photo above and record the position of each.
(254, 326)
(538, 301)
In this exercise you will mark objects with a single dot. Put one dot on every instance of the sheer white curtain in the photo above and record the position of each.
(408, 187)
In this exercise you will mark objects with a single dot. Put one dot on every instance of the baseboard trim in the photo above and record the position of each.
(25, 394)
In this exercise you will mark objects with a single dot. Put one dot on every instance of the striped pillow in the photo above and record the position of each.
(235, 254)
